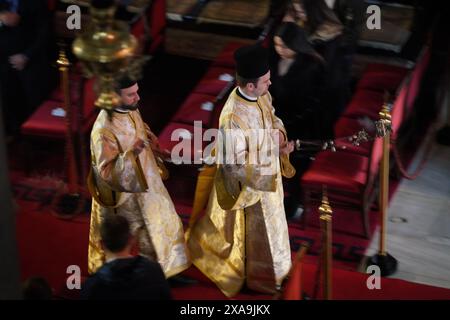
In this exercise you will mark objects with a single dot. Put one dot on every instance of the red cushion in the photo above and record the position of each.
(380, 82)
(350, 122)
(226, 57)
(174, 134)
(212, 83)
(74, 80)
(338, 170)
(385, 68)
(365, 103)
(197, 107)
(89, 94)
(345, 127)
(382, 77)
(43, 123)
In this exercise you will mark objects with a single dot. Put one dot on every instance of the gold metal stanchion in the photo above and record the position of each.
(385, 116)
(387, 263)
(327, 251)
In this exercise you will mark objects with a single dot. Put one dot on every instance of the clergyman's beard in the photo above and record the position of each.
(130, 107)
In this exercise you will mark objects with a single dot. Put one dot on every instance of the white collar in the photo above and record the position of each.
(110, 259)
(121, 110)
(247, 96)
(113, 258)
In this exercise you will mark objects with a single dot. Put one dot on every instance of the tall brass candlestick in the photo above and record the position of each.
(385, 116)
(105, 47)
(68, 203)
(386, 263)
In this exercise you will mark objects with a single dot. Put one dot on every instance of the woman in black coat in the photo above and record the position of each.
(335, 40)
(297, 76)
(298, 79)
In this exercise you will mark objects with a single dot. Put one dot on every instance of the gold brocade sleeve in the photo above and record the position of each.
(153, 139)
(245, 167)
(159, 154)
(120, 170)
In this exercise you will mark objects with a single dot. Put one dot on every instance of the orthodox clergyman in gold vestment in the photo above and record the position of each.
(125, 179)
(243, 236)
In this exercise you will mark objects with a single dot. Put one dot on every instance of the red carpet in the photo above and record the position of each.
(48, 245)
(349, 285)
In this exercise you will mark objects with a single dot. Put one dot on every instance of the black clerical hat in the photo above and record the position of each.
(125, 82)
(252, 61)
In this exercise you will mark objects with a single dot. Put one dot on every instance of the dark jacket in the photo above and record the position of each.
(30, 36)
(297, 94)
(134, 278)
(336, 90)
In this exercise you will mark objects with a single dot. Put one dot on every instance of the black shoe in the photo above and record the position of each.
(297, 214)
(181, 281)
(291, 207)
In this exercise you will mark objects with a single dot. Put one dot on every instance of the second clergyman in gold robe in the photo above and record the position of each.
(243, 236)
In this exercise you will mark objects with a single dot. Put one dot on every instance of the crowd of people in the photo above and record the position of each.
(298, 86)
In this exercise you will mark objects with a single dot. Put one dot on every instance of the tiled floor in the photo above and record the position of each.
(421, 243)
